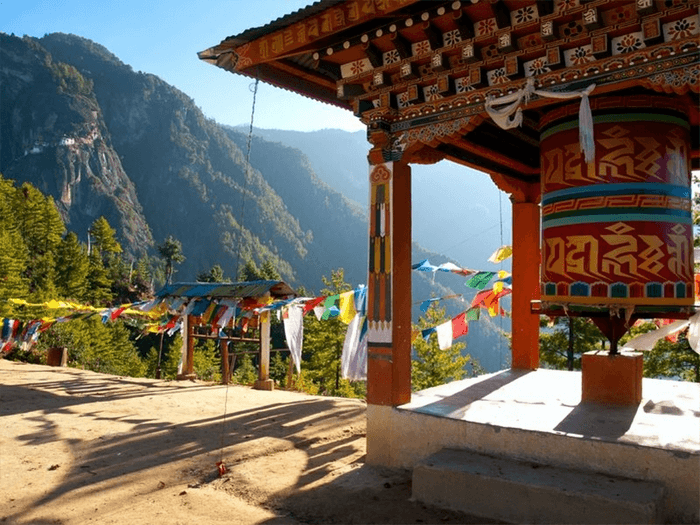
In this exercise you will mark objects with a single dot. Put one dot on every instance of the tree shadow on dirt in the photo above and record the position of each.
(150, 442)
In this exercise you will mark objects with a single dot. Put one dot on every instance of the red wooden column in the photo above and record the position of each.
(389, 285)
(526, 285)
(525, 197)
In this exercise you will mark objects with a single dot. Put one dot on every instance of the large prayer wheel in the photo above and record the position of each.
(617, 232)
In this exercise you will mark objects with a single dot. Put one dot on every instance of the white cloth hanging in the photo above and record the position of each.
(511, 115)
(353, 360)
(293, 320)
(648, 340)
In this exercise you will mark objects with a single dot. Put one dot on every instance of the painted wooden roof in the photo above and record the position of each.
(414, 65)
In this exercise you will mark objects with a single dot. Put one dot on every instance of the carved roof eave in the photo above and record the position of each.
(296, 79)
(612, 74)
(299, 67)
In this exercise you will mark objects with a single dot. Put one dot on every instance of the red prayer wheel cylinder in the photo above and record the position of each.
(618, 231)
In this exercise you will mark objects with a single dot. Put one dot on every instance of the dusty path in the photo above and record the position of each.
(80, 447)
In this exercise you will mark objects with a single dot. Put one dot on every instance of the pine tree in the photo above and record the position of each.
(104, 238)
(171, 253)
(431, 366)
(72, 266)
(99, 289)
(215, 275)
(41, 228)
(555, 339)
(13, 250)
(323, 341)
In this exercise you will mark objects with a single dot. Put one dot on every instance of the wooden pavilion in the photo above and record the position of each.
(586, 112)
(209, 303)
(498, 85)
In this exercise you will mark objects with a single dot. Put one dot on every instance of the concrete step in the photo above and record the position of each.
(516, 491)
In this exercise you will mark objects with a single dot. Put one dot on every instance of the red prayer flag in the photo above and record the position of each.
(310, 305)
(460, 326)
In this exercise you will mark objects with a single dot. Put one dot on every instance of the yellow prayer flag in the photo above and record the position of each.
(501, 254)
(347, 306)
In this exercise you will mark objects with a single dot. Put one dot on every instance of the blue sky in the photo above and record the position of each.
(163, 38)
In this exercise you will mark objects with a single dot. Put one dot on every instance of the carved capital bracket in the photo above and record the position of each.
(520, 191)
(387, 146)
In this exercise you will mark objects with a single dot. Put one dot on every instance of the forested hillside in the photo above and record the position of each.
(105, 141)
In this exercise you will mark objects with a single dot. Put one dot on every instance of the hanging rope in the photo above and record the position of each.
(241, 222)
(220, 465)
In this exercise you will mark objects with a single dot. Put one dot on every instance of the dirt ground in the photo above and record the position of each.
(80, 447)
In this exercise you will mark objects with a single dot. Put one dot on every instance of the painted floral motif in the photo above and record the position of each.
(402, 100)
(578, 56)
(486, 27)
(391, 57)
(681, 29)
(536, 67)
(680, 79)
(563, 5)
(526, 14)
(462, 85)
(451, 37)
(497, 76)
(431, 93)
(421, 48)
(355, 68)
(627, 43)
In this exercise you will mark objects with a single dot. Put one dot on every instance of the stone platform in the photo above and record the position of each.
(538, 416)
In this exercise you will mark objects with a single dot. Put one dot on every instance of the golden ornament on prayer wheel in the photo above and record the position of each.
(617, 231)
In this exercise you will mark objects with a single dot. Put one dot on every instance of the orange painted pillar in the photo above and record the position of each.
(526, 285)
(389, 285)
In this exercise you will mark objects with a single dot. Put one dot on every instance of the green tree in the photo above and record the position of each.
(668, 359)
(104, 239)
(41, 228)
(13, 250)
(96, 346)
(215, 275)
(279, 367)
(205, 361)
(99, 289)
(323, 342)
(171, 253)
(245, 372)
(72, 267)
(554, 341)
(431, 366)
(266, 272)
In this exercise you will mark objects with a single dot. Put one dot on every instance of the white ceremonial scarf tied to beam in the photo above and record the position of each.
(511, 116)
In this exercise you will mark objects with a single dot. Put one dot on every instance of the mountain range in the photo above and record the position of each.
(105, 140)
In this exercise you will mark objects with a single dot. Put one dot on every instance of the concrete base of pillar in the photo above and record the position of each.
(611, 379)
(380, 435)
(264, 384)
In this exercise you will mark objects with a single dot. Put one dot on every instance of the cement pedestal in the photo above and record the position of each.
(264, 384)
(611, 379)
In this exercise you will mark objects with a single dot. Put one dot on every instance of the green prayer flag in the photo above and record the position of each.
(480, 280)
